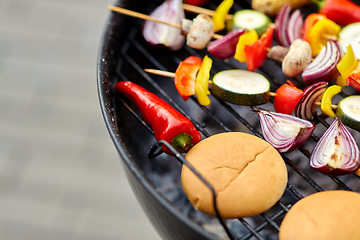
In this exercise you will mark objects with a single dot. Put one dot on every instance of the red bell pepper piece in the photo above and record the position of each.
(286, 98)
(354, 78)
(167, 123)
(256, 53)
(342, 12)
(185, 76)
(196, 2)
(309, 22)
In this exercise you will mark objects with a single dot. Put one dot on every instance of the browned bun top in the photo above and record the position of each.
(247, 173)
(328, 215)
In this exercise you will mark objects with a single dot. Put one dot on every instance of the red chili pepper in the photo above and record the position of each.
(185, 76)
(309, 22)
(286, 98)
(167, 123)
(256, 53)
(342, 12)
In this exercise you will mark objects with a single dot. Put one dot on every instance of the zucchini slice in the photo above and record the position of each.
(251, 19)
(348, 110)
(350, 34)
(241, 87)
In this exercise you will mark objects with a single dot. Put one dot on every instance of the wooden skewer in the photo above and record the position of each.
(147, 17)
(196, 9)
(172, 75)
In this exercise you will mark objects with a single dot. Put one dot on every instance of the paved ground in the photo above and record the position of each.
(60, 175)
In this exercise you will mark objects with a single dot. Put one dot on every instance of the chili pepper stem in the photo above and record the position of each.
(182, 142)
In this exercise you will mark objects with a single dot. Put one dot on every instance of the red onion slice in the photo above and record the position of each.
(281, 22)
(323, 68)
(162, 34)
(225, 47)
(306, 107)
(295, 26)
(336, 153)
(284, 132)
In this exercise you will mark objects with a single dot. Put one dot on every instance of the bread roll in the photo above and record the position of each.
(247, 173)
(323, 216)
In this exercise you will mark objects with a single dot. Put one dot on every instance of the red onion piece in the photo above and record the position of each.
(336, 153)
(225, 47)
(306, 107)
(281, 22)
(295, 26)
(162, 34)
(284, 132)
(323, 68)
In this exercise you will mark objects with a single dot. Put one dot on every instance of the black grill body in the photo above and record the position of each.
(155, 181)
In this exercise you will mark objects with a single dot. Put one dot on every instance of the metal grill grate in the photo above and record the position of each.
(136, 55)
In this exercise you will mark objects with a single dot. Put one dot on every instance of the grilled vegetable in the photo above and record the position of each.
(251, 19)
(256, 53)
(348, 110)
(343, 12)
(326, 100)
(354, 77)
(202, 81)
(201, 32)
(167, 123)
(309, 22)
(241, 87)
(346, 65)
(286, 98)
(277, 53)
(316, 35)
(288, 26)
(249, 37)
(297, 59)
(272, 7)
(185, 76)
(162, 34)
(220, 14)
(350, 35)
(225, 47)
(336, 153)
(284, 132)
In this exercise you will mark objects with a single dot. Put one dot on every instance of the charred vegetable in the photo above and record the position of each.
(284, 132)
(336, 153)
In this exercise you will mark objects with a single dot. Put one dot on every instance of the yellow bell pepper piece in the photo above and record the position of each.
(329, 93)
(202, 81)
(346, 65)
(249, 37)
(318, 35)
(221, 12)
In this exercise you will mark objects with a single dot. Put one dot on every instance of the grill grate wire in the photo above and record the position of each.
(133, 42)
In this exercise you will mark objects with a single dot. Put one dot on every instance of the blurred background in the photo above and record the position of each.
(60, 174)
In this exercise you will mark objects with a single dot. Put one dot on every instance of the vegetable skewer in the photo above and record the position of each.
(172, 75)
(149, 18)
(196, 9)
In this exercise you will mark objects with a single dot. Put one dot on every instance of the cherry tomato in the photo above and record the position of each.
(196, 2)
(286, 98)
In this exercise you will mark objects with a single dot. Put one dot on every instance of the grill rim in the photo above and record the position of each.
(106, 64)
(113, 127)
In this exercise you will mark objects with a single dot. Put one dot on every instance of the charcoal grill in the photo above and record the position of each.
(154, 177)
